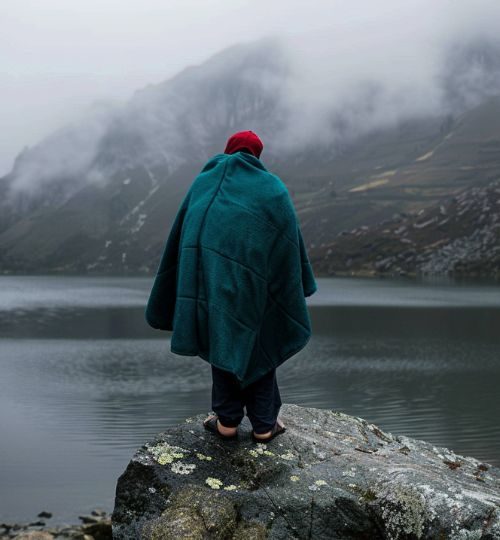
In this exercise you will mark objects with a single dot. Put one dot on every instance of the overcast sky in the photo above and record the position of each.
(59, 56)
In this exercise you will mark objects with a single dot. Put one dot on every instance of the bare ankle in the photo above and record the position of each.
(224, 429)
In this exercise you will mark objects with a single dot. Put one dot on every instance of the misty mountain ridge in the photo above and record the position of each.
(115, 179)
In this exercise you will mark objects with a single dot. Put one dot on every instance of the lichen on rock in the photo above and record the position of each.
(197, 515)
(403, 511)
(166, 453)
(329, 476)
(214, 483)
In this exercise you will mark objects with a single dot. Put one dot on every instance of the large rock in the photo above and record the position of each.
(329, 476)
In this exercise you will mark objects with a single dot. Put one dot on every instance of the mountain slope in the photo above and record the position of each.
(410, 168)
(103, 193)
(458, 236)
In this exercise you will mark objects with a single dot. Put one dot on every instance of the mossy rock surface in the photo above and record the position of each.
(329, 476)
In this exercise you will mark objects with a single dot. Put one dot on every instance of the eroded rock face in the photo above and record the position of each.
(330, 476)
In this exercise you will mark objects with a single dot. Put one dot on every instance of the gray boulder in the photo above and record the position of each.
(329, 476)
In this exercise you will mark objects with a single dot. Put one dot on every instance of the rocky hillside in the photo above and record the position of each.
(99, 196)
(329, 476)
(102, 194)
(459, 236)
(466, 154)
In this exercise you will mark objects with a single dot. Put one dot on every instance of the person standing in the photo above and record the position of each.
(231, 285)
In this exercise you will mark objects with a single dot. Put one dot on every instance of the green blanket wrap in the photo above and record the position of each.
(234, 274)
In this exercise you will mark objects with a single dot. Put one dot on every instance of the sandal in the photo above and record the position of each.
(211, 425)
(277, 429)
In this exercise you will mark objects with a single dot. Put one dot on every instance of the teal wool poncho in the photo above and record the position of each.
(234, 274)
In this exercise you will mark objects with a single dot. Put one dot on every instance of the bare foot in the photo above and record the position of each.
(268, 433)
(223, 430)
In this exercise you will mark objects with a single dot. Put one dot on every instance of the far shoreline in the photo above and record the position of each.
(96, 524)
(410, 277)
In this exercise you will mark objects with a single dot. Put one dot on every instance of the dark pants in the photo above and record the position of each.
(261, 399)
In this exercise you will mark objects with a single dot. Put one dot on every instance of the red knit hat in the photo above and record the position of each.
(247, 140)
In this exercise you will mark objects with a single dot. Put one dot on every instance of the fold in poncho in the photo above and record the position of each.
(234, 274)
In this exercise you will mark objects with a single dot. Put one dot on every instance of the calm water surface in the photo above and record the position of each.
(84, 381)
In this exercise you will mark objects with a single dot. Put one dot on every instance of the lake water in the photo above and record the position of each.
(84, 381)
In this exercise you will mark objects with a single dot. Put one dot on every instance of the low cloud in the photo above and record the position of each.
(417, 59)
(65, 156)
(357, 67)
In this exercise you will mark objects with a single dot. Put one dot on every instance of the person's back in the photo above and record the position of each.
(232, 284)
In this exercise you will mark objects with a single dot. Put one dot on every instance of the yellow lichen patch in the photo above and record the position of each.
(165, 453)
(165, 458)
(369, 185)
(231, 487)
(317, 484)
(203, 457)
(294, 478)
(288, 456)
(260, 450)
(214, 483)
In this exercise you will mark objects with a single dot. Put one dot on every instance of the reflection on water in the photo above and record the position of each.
(84, 383)
(21, 293)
